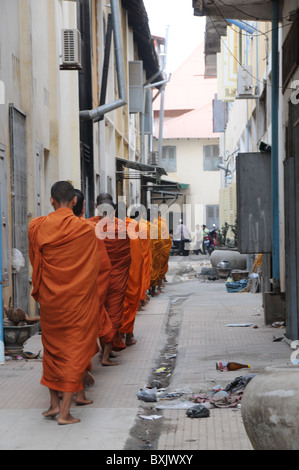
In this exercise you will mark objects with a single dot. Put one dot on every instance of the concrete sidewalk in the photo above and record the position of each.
(205, 339)
(192, 317)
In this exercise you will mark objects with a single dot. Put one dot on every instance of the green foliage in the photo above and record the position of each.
(223, 239)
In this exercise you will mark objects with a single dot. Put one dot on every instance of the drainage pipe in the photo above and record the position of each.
(274, 148)
(96, 114)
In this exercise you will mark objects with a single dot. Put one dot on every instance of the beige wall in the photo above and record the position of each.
(30, 49)
(203, 185)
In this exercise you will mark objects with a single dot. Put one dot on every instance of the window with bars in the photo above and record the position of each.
(212, 216)
(168, 159)
(210, 157)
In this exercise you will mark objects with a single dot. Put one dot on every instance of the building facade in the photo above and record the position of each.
(72, 107)
(190, 147)
(265, 130)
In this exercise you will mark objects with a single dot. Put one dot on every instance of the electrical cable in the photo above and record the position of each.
(248, 14)
(252, 35)
(241, 65)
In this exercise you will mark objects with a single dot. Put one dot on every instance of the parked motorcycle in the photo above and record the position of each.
(210, 240)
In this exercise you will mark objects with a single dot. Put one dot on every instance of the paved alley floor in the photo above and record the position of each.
(181, 334)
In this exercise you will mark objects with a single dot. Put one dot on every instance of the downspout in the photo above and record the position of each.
(161, 117)
(97, 113)
(147, 85)
(1, 298)
(274, 150)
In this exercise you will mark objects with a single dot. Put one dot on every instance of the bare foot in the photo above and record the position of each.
(81, 399)
(51, 412)
(107, 362)
(87, 379)
(68, 420)
(130, 340)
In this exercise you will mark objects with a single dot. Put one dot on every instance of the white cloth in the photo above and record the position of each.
(182, 233)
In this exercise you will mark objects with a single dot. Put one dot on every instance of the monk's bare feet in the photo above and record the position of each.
(81, 399)
(69, 419)
(87, 379)
(51, 412)
(130, 340)
(107, 362)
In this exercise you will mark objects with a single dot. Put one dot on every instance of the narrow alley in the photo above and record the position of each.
(181, 334)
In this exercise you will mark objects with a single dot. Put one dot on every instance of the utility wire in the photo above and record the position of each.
(260, 33)
(241, 65)
(248, 14)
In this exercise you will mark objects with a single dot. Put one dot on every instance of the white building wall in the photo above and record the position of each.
(204, 186)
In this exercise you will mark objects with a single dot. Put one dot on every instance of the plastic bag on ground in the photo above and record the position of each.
(198, 411)
(147, 394)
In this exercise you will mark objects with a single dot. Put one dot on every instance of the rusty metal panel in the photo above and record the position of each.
(254, 208)
(19, 204)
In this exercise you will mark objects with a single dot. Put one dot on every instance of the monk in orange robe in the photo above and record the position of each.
(144, 231)
(105, 325)
(64, 257)
(156, 249)
(113, 232)
(166, 247)
(134, 287)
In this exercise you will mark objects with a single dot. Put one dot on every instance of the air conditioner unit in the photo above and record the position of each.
(71, 49)
(244, 86)
(153, 158)
(244, 83)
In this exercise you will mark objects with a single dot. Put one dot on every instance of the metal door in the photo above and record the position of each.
(212, 216)
(4, 218)
(17, 123)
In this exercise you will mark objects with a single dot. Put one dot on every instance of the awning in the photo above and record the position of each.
(166, 190)
(166, 185)
(142, 168)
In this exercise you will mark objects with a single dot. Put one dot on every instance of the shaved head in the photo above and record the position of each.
(103, 197)
(63, 192)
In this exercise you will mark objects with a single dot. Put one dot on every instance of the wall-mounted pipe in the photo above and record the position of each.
(274, 150)
(97, 113)
(1, 297)
(242, 25)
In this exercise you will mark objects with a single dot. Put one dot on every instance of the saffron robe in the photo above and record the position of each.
(105, 324)
(144, 230)
(156, 248)
(135, 286)
(64, 257)
(117, 244)
(166, 247)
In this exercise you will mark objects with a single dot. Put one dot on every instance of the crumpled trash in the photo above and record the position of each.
(239, 383)
(278, 324)
(176, 404)
(18, 261)
(160, 370)
(236, 286)
(198, 411)
(226, 400)
(150, 417)
(156, 384)
(147, 394)
(170, 395)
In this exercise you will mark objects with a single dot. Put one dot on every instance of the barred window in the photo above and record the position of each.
(210, 157)
(168, 160)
